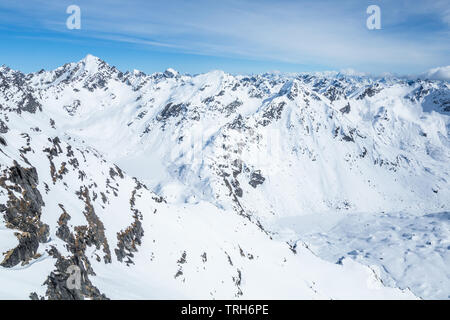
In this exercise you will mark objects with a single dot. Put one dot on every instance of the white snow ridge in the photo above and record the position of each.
(169, 186)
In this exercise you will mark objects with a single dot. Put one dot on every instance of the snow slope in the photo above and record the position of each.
(226, 169)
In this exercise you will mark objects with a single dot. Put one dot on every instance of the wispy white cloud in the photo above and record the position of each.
(440, 73)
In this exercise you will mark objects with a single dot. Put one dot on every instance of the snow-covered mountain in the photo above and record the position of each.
(222, 186)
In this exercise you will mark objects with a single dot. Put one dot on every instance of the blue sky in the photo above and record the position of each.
(237, 36)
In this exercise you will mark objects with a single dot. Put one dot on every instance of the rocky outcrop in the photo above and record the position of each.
(256, 178)
(77, 243)
(23, 213)
(129, 239)
(57, 288)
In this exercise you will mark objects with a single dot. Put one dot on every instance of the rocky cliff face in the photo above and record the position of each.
(169, 185)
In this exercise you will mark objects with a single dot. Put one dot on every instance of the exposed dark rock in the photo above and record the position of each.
(238, 123)
(63, 232)
(25, 251)
(239, 192)
(231, 108)
(29, 104)
(208, 100)
(3, 127)
(171, 111)
(272, 112)
(94, 233)
(238, 281)
(182, 260)
(77, 243)
(370, 91)
(256, 178)
(346, 109)
(114, 172)
(57, 288)
(129, 239)
(23, 213)
(347, 138)
(72, 109)
(335, 91)
(34, 296)
(170, 73)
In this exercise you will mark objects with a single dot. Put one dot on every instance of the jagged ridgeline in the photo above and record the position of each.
(127, 185)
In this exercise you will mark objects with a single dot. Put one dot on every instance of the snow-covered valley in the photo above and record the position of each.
(210, 186)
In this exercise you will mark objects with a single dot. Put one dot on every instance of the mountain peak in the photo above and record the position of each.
(92, 63)
(171, 73)
(5, 69)
(89, 58)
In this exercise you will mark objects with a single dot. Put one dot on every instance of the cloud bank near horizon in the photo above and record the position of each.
(441, 73)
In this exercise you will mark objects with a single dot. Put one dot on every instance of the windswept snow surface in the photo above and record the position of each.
(310, 186)
(408, 250)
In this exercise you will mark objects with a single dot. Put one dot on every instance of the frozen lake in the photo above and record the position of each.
(407, 250)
